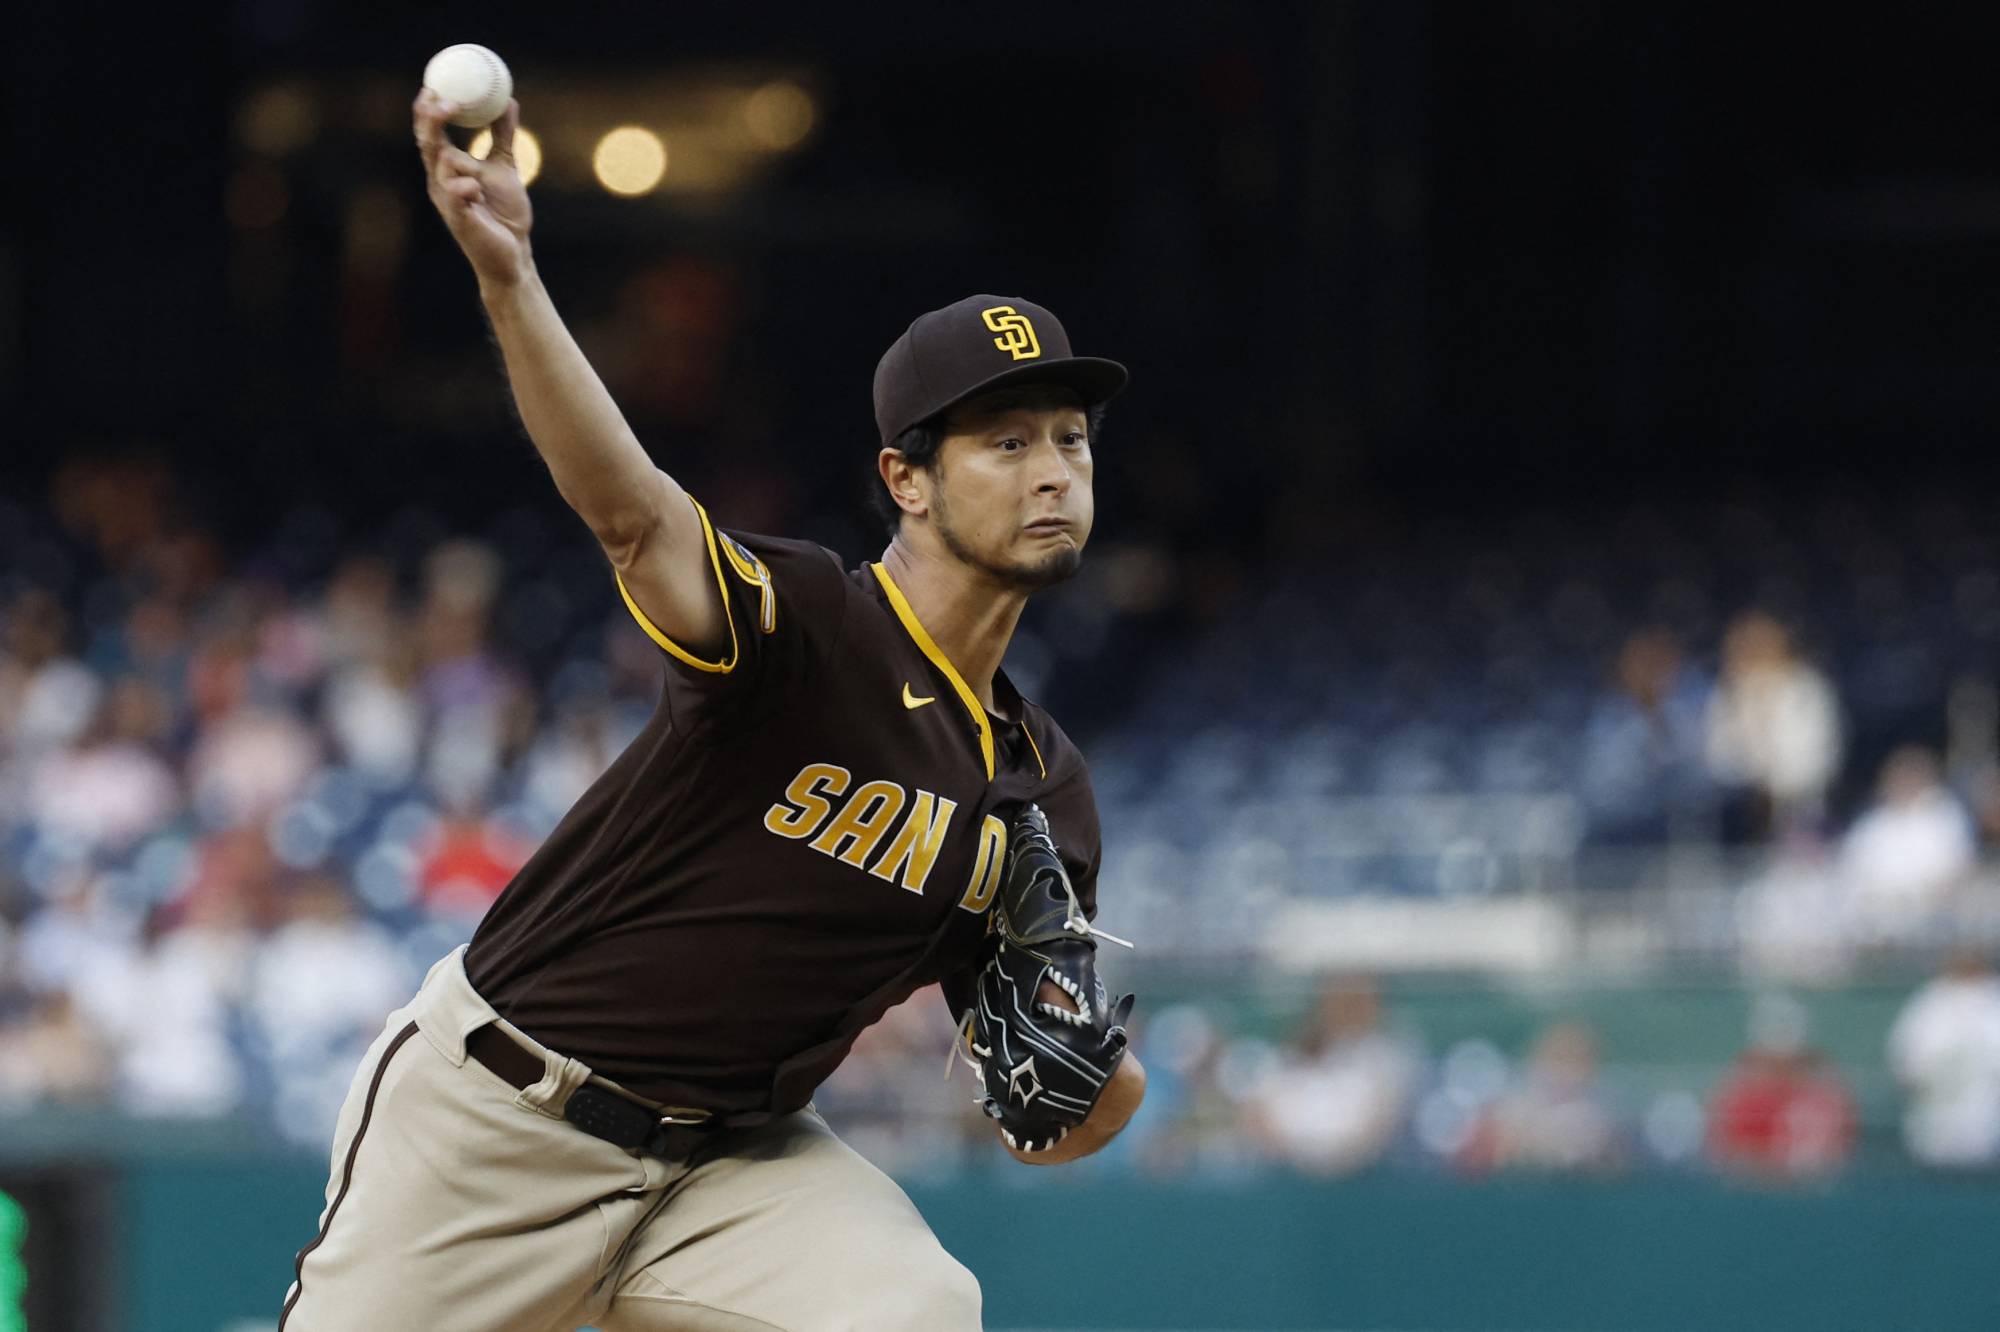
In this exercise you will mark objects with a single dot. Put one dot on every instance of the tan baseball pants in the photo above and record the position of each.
(457, 1203)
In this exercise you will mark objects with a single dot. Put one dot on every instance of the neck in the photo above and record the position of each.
(968, 613)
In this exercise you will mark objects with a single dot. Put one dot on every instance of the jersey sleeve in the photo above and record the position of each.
(783, 602)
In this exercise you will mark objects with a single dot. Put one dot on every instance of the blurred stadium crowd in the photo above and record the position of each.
(245, 802)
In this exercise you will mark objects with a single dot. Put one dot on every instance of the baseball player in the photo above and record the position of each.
(600, 1111)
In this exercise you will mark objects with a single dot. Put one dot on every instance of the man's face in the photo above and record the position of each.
(1010, 491)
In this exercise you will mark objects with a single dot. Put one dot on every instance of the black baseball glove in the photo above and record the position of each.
(1041, 1064)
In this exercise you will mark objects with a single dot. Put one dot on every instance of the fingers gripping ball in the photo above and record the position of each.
(475, 79)
(1042, 1064)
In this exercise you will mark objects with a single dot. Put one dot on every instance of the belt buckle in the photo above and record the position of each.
(685, 1118)
(678, 1134)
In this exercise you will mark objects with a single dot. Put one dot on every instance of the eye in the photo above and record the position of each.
(1075, 439)
(1011, 444)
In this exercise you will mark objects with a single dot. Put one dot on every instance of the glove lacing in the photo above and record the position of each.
(1075, 921)
(962, 1047)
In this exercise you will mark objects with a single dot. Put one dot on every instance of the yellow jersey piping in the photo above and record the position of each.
(759, 577)
(918, 634)
(680, 653)
(1038, 750)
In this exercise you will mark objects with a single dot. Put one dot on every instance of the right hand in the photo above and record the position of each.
(484, 204)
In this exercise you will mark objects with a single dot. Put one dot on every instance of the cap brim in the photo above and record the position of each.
(1094, 378)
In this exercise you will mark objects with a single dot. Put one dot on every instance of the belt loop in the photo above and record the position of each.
(560, 1077)
(447, 1008)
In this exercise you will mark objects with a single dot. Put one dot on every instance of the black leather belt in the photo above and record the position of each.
(596, 1110)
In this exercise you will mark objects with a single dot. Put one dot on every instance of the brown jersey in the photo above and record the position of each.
(807, 831)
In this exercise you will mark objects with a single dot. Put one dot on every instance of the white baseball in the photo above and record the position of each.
(473, 77)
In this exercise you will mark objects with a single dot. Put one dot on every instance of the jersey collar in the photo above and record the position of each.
(928, 646)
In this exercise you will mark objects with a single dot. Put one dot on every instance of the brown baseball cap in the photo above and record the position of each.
(980, 343)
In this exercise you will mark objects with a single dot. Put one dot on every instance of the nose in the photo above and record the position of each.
(1052, 470)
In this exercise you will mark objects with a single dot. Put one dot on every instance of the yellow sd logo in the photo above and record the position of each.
(1017, 335)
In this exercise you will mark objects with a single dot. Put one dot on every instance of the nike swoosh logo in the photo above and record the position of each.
(912, 701)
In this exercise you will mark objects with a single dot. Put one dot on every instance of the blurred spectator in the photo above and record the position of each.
(222, 669)
(1643, 777)
(464, 682)
(55, 1056)
(1557, 1117)
(1781, 1113)
(1904, 856)
(362, 622)
(46, 697)
(317, 994)
(166, 1010)
(467, 862)
(80, 933)
(113, 788)
(1945, 1051)
(371, 706)
(1191, 1114)
(249, 762)
(1791, 918)
(154, 648)
(1339, 1096)
(1471, 1078)
(373, 712)
(325, 977)
(1773, 727)
(231, 874)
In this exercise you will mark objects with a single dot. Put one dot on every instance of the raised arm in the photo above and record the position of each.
(644, 520)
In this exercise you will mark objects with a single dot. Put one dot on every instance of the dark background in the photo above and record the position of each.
(1366, 257)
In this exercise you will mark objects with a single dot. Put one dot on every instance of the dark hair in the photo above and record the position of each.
(919, 446)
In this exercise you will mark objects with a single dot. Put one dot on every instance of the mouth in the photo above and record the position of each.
(1050, 525)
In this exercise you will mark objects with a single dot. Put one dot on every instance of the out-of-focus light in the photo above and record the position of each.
(779, 115)
(629, 160)
(277, 120)
(376, 231)
(257, 198)
(527, 152)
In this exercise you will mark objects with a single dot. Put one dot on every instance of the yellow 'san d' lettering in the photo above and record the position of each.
(861, 822)
(917, 842)
(804, 808)
(986, 868)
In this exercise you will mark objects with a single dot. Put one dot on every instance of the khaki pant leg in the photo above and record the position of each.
(455, 1201)
(786, 1227)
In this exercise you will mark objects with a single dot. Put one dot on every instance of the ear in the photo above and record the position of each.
(900, 475)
